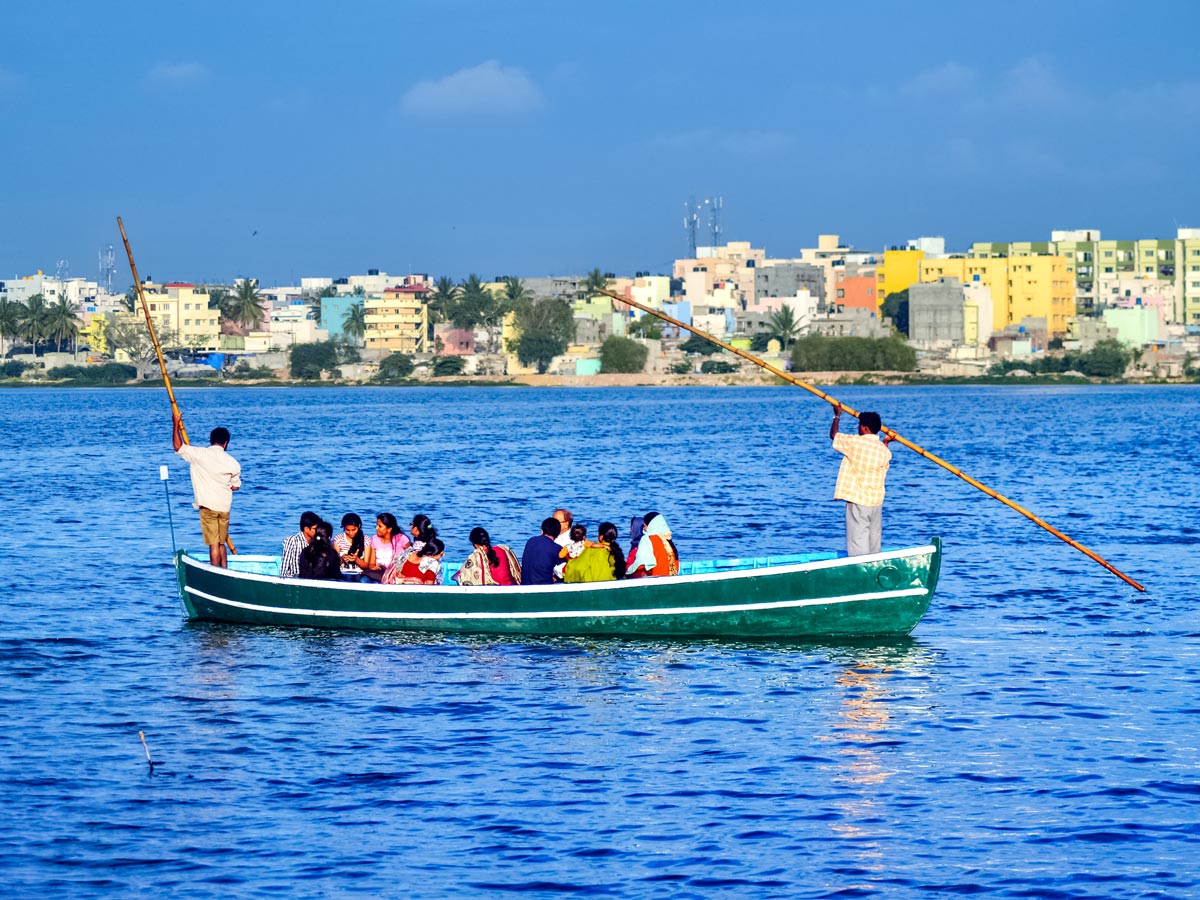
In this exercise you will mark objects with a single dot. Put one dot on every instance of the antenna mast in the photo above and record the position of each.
(691, 224)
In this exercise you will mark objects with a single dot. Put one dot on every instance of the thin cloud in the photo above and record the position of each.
(486, 89)
(177, 73)
(737, 143)
(948, 78)
(9, 79)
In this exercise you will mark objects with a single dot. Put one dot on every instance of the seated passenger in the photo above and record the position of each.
(541, 555)
(488, 564)
(656, 553)
(421, 530)
(422, 567)
(319, 559)
(602, 561)
(289, 565)
(388, 545)
(350, 546)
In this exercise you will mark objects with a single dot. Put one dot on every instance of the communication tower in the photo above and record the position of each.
(691, 224)
(715, 205)
(108, 268)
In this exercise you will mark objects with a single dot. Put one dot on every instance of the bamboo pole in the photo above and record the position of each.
(162, 365)
(888, 431)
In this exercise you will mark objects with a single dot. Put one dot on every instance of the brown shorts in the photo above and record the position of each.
(214, 526)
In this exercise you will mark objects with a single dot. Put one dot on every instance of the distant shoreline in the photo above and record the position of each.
(817, 379)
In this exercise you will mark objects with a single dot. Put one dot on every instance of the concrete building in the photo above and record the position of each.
(183, 309)
(1136, 325)
(935, 314)
(397, 319)
(849, 323)
(930, 246)
(1021, 286)
(977, 315)
(334, 311)
(734, 264)
(786, 278)
(566, 286)
(1187, 277)
(832, 256)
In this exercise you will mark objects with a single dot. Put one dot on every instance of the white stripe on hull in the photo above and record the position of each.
(560, 614)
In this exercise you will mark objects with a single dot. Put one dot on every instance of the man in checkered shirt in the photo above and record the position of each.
(865, 461)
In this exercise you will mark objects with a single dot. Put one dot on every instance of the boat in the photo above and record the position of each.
(808, 595)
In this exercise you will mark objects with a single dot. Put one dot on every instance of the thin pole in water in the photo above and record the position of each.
(149, 761)
(164, 476)
(763, 364)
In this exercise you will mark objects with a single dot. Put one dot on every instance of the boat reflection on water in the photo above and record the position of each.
(864, 738)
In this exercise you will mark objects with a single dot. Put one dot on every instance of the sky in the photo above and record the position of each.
(276, 139)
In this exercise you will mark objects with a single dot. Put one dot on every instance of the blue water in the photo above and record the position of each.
(1035, 737)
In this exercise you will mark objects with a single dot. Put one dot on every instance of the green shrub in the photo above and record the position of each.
(697, 344)
(682, 368)
(448, 365)
(620, 354)
(109, 373)
(13, 368)
(815, 353)
(244, 371)
(717, 367)
(395, 367)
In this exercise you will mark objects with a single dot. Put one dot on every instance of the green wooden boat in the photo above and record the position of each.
(812, 595)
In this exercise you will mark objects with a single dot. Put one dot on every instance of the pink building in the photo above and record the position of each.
(455, 341)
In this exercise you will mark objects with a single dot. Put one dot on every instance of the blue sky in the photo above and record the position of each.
(549, 138)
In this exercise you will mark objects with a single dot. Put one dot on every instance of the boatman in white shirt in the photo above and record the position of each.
(215, 476)
(865, 461)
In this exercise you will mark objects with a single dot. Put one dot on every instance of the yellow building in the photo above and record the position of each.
(1039, 286)
(397, 319)
(900, 270)
(183, 310)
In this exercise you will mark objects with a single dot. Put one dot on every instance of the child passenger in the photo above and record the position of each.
(577, 544)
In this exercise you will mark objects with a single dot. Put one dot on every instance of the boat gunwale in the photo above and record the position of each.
(564, 588)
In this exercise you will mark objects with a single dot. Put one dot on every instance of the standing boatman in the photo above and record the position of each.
(215, 476)
(865, 462)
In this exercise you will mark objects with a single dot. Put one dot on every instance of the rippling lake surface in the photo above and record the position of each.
(1036, 736)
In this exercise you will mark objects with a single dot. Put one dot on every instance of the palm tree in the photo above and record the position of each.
(595, 282)
(12, 312)
(440, 301)
(354, 323)
(217, 298)
(60, 322)
(784, 326)
(33, 322)
(515, 292)
(244, 305)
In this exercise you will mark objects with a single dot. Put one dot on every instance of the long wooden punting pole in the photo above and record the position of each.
(888, 431)
(162, 365)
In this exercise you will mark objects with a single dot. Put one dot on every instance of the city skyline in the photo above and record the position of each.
(282, 140)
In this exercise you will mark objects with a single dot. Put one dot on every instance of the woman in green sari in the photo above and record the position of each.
(603, 562)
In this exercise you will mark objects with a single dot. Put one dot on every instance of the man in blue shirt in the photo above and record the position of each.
(541, 554)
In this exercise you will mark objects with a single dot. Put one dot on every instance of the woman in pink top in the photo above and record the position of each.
(388, 543)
